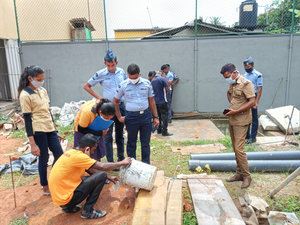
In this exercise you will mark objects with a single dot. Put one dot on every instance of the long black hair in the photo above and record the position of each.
(32, 71)
(107, 107)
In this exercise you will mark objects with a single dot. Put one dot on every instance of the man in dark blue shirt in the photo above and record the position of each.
(160, 87)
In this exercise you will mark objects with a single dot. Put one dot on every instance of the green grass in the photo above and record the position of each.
(286, 204)
(6, 180)
(68, 130)
(18, 221)
(19, 134)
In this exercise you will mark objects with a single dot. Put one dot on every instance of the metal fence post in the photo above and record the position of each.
(17, 21)
(105, 24)
(287, 89)
(195, 57)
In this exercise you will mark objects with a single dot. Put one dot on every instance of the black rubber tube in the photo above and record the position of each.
(274, 155)
(254, 165)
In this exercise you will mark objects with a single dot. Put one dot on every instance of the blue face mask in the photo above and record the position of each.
(248, 70)
(230, 80)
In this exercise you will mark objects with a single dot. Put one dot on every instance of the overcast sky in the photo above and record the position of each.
(128, 14)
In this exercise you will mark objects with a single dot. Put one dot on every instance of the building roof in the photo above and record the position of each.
(143, 29)
(200, 25)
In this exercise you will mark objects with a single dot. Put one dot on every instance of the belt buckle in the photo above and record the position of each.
(142, 112)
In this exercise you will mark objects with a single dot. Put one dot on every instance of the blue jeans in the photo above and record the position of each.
(44, 141)
(169, 99)
(119, 127)
(136, 122)
(254, 123)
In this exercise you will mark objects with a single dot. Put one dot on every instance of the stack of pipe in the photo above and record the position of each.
(275, 161)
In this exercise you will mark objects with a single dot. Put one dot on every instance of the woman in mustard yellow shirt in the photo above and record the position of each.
(39, 124)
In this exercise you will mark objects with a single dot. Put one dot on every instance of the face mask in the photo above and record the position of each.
(248, 70)
(230, 80)
(36, 84)
(103, 118)
(134, 81)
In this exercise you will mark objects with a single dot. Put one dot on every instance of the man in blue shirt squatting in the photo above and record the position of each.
(171, 79)
(109, 78)
(257, 79)
(138, 94)
(160, 88)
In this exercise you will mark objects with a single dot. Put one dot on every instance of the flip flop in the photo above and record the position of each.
(75, 210)
(107, 181)
(94, 214)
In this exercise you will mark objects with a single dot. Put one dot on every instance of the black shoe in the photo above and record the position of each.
(117, 169)
(169, 121)
(159, 131)
(167, 134)
(250, 141)
(247, 137)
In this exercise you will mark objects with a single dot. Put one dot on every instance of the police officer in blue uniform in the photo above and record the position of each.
(172, 79)
(110, 78)
(138, 95)
(257, 79)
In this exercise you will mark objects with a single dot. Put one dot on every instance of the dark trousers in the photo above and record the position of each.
(254, 124)
(136, 122)
(90, 188)
(169, 99)
(44, 141)
(119, 127)
(162, 111)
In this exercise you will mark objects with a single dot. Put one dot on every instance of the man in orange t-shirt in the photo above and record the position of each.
(68, 185)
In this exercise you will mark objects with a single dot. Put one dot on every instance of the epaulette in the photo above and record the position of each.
(245, 81)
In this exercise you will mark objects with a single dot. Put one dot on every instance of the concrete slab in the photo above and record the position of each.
(278, 115)
(267, 124)
(191, 130)
(271, 140)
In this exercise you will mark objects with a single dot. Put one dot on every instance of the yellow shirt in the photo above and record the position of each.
(66, 175)
(240, 93)
(36, 103)
(85, 116)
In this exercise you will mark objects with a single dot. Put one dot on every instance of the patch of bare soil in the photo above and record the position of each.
(119, 204)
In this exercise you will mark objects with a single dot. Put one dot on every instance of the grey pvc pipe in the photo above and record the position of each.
(254, 165)
(274, 155)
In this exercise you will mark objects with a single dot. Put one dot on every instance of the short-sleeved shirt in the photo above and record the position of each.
(159, 84)
(86, 114)
(240, 93)
(109, 81)
(171, 76)
(255, 77)
(136, 95)
(36, 103)
(66, 175)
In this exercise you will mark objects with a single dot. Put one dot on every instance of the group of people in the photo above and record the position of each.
(94, 124)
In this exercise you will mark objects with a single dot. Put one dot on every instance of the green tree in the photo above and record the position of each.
(216, 21)
(279, 17)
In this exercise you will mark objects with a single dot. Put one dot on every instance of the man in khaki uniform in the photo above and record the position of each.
(241, 96)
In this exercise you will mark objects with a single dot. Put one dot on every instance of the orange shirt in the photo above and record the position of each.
(66, 175)
(85, 116)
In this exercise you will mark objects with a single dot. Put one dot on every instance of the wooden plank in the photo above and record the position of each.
(197, 176)
(174, 214)
(150, 206)
(212, 203)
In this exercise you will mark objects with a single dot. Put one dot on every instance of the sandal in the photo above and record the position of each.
(107, 181)
(94, 214)
(75, 210)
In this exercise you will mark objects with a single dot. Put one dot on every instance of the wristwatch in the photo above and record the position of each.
(155, 117)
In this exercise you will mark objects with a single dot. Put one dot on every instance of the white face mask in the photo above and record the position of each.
(103, 118)
(36, 84)
(134, 81)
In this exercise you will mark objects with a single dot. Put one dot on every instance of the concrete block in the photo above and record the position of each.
(267, 124)
(278, 116)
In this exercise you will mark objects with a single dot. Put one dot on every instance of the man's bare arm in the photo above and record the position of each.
(89, 89)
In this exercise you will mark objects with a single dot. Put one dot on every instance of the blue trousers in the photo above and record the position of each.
(136, 122)
(119, 127)
(44, 141)
(169, 99)
(254, 124)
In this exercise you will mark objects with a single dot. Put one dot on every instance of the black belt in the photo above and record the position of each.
(137, 112)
